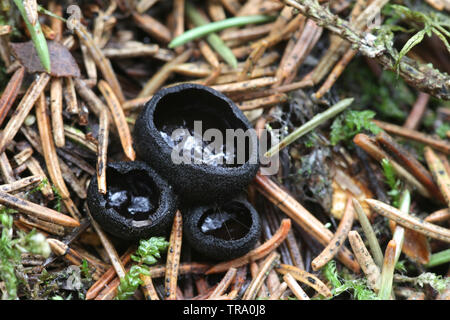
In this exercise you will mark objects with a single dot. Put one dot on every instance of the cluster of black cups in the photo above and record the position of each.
(143, 195)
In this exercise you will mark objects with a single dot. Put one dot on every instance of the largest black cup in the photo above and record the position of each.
(199, 141)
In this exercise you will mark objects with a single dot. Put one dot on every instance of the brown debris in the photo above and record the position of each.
(62, 62)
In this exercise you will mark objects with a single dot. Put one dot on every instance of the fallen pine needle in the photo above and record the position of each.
(173, 257)
(258, 253)
(407, 221)
(306, 278)
(338, 239)
(370, 269)
(295, 287)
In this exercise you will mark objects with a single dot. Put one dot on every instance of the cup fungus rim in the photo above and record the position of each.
(196, 213)
(167, 201)
(148, 118)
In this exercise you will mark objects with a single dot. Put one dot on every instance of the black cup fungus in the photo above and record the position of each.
(138, 204)
(222, 232)
(206, 170)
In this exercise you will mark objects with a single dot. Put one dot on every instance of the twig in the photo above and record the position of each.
(152, 26)
(35, 168)
(310, 125)
(148, 288)
(335, 73)
(292, 61)
(72, 256)
(144, 5)
(80, 137)
(422, 76)
(48, 227)
(399, 232)
(173, 257)
(132, 51)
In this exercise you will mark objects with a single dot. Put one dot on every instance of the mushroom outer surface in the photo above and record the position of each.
(195, 183)
(214, 247)
(127, 228)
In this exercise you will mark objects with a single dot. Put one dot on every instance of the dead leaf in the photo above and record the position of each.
(61, 60)
(415, 245)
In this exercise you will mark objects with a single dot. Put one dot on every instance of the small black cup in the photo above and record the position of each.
(139, 203)
(211, 174)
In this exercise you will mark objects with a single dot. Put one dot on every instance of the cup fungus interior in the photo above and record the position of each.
(179, 110)
(231, 221)
(133, 195)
